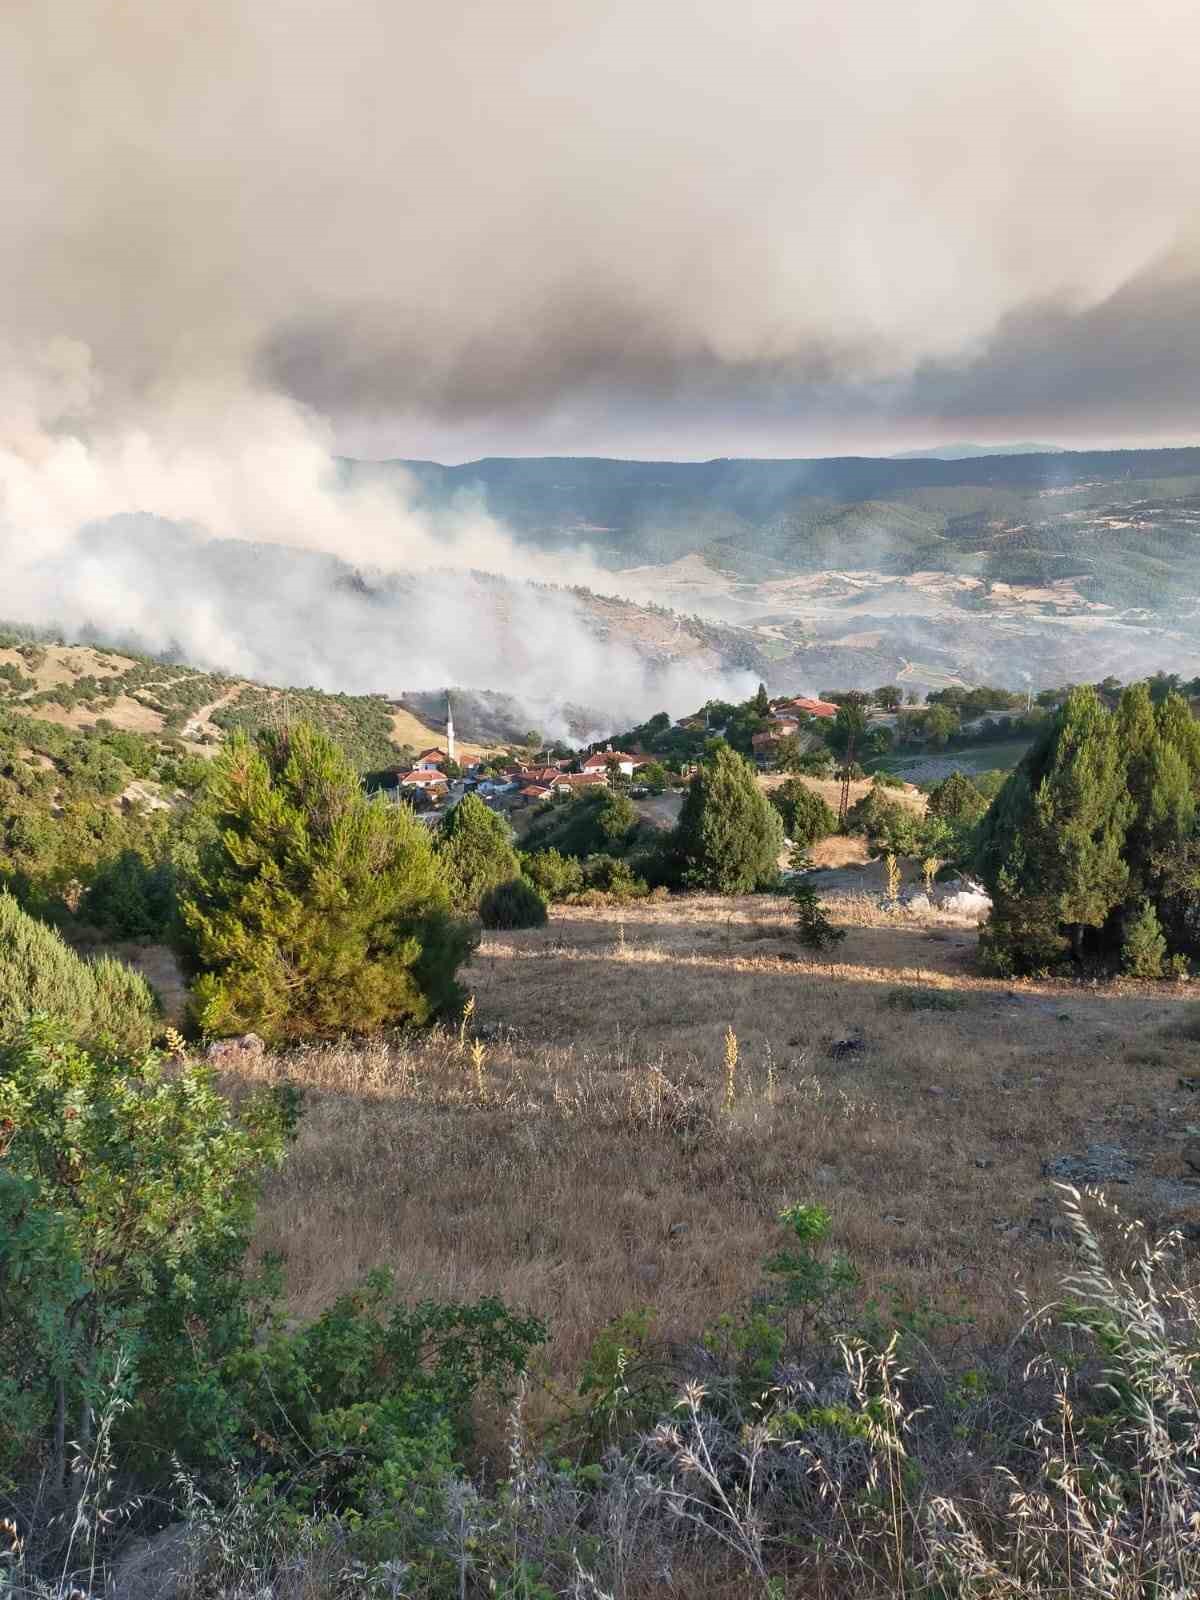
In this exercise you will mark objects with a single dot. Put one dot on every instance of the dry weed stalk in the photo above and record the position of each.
(731, 1067)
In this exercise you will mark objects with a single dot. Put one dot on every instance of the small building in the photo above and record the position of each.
(601, 760)
(803, 706)
(429, 760)
(426, 778)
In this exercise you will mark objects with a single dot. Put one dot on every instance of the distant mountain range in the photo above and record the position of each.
(968, 452)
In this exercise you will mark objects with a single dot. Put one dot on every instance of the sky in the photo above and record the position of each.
(685, 229)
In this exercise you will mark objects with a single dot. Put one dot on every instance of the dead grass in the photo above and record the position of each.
(590, 1167)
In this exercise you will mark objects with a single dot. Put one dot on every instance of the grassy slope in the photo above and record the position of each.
(582, 1184)
(64, 665)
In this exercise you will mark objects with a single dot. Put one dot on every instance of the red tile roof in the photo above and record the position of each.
(599, 761)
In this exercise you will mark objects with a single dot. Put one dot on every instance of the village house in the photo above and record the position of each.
(600, 761)
(803, 706)
(430, 760)
(429, 779)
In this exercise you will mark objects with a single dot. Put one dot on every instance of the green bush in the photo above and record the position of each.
(595, 821)
(103, 1002)
(312, 910)
(554, 875)
(515, 904)
(130, 898)
(126, 1201)
(476, 853)
(806, 817)
(1144, 950)
(910, 997)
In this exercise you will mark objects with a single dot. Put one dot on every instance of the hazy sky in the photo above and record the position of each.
(679, 227)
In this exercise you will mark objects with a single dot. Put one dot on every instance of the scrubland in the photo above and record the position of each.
(600, 1154)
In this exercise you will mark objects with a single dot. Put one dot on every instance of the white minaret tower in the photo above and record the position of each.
(449, 731)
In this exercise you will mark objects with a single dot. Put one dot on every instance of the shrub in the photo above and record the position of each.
(612, 877)
(476, 853)
(126, 1199)
(956, 799)
(806, 817)
(130, 898)
(554, 875)
(515, 904)
(813, 927)
(912, 998)
(1144, 949)
(314, 910)
(887, 824)
(102, 1002)
(729, 835)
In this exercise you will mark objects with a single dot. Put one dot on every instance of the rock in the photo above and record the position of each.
(984, 1163)
(678, 1229)
(1192, 1083)
(1101, 1163)
(1191, 1155)
(242, 1044)
(918, 901)
(966, 903)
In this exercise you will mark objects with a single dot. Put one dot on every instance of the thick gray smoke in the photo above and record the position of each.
(517, 224)
(226, 537)
(236, 236)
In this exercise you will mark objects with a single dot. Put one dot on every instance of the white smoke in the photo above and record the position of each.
(218, 528)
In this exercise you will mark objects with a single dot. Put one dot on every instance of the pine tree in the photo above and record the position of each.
(476, 853)
(1145, 948)
(313, 911)
(729, 836)
(761, 704)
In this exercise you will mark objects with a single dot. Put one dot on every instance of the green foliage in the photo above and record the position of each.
(956, 799)
(1144, 949)
(313, 911)
(359, 725)
(910, 997)
(729, 836)
(126, 1196)
(813, 927)
(475, 851)
(130, 898)
(103, 1001)
(554, 875)
(369, 1405)
(608, 878)
(594, 821)
(888, 824)
(806, 817)
(515, 904)
(1050, 848)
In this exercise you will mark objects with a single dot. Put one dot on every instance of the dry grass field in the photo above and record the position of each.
(602, 1156)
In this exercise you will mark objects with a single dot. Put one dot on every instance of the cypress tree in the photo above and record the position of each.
(313, 910)
(476, 853)
(1050, 847)
(729, 836)
(1081, 810)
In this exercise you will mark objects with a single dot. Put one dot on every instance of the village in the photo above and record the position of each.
(436, 777)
